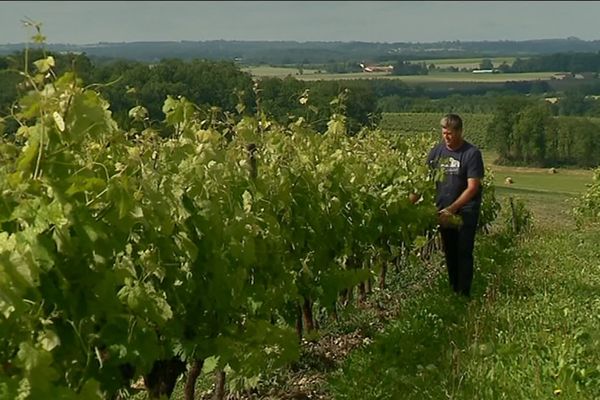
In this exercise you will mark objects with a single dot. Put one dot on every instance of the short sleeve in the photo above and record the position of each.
(475, 166)
(431, 158)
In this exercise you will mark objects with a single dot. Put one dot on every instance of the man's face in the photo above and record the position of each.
(452, 138)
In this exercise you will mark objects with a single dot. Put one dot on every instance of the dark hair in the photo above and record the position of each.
(452, 121)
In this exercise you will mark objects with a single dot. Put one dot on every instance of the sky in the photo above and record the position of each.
(89, 22)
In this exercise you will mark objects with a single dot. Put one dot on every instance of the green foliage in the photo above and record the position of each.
(475, 125)
(526, 133)
(573, 62)
(122, 249)
(408, 68)
(500, 131)
(490, 206)
(286, 100)
(528, 333)
(486, 63)
(517, 217)
(575, 142)
(13, 84)
(205, 83)
(530, 133)
(586, 210)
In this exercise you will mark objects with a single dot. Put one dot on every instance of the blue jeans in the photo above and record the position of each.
(458, 244)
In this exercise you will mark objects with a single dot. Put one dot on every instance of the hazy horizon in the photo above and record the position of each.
(310, 21)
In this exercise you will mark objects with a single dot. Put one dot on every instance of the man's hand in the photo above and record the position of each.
(413, 198)
(447, 219)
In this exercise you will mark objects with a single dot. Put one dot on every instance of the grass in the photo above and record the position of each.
(453, 77)
(530, 331)
(470, 77)
(278, 72)
(549, 196)
(547, 208)
(566, 181)
(466, 62)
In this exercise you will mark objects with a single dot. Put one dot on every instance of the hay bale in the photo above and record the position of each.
(508, 180)
(552, 170)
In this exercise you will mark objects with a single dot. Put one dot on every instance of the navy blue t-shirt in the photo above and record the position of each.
(459, 165)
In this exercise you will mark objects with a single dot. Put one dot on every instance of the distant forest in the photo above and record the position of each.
(289, 52)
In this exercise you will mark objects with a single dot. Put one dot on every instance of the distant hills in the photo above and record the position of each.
(290, 52)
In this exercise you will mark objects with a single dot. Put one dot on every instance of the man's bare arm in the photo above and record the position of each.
(470, 192)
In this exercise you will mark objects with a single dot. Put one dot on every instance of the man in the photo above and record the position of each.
(458, 198)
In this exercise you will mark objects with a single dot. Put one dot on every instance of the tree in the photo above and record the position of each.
(205, 83)
(486, 63)
(500, 130)
(572, 103)
(408, 68)
(279, 98)
(530, 134)
(585, 148)
(504, 67)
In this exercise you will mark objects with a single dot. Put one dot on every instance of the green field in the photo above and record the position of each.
(277, 72)
(313, 75)
(549, 196)
(565, 181)
(530, 331)
(265, 70)
(467, 62)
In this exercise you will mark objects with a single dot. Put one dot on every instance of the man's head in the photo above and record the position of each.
(452, 128)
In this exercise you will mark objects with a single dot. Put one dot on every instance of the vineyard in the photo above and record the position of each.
(146, 252)
(137, 253)
(475, 125)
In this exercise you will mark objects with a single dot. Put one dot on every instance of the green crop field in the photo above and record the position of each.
(437, 77)
(277, 72)
(409, 123)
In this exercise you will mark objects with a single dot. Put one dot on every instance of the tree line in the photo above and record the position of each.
(526, 133)
(573, 63)
(566, 62)
(220, 86)
(290, 52)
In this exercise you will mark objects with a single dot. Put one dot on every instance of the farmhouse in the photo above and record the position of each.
(570, 75)
(377, 68)
(562, 76)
